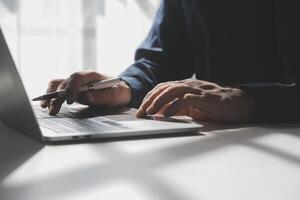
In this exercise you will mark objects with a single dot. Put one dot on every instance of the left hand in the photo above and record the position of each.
(198, 99)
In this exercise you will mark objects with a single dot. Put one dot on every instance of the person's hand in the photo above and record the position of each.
(110, 97)
(198, 99)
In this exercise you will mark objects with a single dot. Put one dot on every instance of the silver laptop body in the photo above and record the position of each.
(74, 122)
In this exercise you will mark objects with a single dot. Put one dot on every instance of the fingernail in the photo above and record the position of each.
(141, 113)
(138, 112)
(52, 112)
(43, 104)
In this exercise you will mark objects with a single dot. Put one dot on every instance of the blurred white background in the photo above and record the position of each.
(54, 38)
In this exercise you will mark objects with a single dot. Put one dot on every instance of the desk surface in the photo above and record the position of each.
(260, 162)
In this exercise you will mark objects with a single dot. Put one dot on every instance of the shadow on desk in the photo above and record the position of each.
(15, 149)
(137, 168)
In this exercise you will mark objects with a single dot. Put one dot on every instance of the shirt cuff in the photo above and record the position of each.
(272, 102)
(136, 90)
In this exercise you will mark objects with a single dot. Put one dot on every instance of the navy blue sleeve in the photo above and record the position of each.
(275, 102)
(165, 54)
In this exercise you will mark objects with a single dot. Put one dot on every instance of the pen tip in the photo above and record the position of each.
(37, 99)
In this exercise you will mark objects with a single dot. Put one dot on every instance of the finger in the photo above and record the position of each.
(154, 92)
(162, 110)
(169, 95)
(52, 87)
(45, 103)
(156, 88)
(72, 88)
(179, 107)
(55, 104)
(149, 98)
(76, 80)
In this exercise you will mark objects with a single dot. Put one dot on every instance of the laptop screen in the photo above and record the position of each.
(15, 108)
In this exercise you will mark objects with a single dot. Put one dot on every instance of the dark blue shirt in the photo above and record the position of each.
(249, 44)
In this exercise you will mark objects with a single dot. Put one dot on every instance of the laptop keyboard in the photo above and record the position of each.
(67, 121)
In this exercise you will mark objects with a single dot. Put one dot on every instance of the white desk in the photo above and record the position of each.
(234, 164)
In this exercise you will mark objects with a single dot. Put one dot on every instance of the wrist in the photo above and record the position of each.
(248, 104)
(125, 93)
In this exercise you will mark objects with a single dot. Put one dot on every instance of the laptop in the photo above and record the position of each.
(75, 122)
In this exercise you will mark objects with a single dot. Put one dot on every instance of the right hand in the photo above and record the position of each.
(110, 97)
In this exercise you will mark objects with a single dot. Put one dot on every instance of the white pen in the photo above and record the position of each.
(99, 85)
